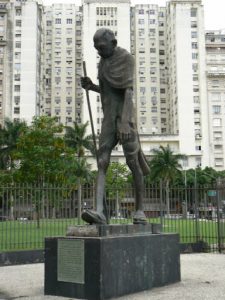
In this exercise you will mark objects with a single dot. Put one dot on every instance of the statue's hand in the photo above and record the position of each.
(124, 132)
(86, 83)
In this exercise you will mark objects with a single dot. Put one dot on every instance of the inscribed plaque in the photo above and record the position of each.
(70, 260)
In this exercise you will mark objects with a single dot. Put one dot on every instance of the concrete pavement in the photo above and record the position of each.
(203, 278)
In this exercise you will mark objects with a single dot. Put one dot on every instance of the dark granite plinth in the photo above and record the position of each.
(116, 266)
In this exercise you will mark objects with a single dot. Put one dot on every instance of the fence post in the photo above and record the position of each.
(196, 213)
(218, 215)
(161, 200)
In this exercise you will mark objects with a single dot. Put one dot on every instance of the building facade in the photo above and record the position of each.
(187, 97)
(62, 63)
(215, 50)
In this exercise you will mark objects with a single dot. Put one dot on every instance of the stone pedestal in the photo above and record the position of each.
(102, 267)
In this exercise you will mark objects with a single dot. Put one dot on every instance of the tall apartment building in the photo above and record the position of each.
(62, 63)
(148, 47)
(187, 97)
(215, 50)
(24, 57)
(5, 46)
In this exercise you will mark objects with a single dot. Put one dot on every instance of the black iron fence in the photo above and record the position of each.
(28, 213)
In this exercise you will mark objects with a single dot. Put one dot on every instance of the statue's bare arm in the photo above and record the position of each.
(126, 116)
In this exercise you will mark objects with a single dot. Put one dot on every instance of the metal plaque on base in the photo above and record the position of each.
(70, 260)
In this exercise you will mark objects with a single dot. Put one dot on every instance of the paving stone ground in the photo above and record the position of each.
(203, 278)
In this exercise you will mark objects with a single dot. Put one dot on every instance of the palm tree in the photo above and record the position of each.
(9, 136)
(165, 165)
(76, 138)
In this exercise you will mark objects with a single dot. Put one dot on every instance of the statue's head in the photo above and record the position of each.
(104, 42)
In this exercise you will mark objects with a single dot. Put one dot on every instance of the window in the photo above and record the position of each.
(57, 21)
(215, 96)
(57, 110)
(195, 77)
(217, 135)
(17, 100)
(215, 83)
(151, 21)
(193, 24)
(17, 88)
(216, 109)
(194, 55)
(195, 67)
(152, 31)
(142, 90)
(69, 21)
(48, 23)
(194, 45)
(68, 100)
(193, 12)
(18, 23)
(194, 34)
(69, 41)
(219, 162)
(141, 11)
(196, 99)
(16, 110)
(17, 77)
(69, 119)
(18, 44)
(217, 122)
(57, 100)
(18, 12)
(218, 148)
(152, 50)
(195, 89)
(161, 33)
(141, 21)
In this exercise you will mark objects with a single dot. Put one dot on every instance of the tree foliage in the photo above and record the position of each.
(77, 139)
(165, 165)
(9, 136)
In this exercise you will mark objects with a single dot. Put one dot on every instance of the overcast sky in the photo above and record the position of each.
(214, 10)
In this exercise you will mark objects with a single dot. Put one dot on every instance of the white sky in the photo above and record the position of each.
(214, 10)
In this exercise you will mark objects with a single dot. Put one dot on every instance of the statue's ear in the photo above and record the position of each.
(114, 42)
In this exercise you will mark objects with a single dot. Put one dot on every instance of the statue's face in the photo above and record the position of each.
(104, 47)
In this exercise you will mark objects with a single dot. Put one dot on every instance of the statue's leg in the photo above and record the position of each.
(139, 216)
(131, 149)
(107, 142)
(103, 163)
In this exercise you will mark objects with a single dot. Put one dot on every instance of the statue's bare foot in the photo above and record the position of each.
(93, 217)
(139, 217)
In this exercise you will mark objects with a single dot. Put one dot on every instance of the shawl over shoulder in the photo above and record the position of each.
(118, 69)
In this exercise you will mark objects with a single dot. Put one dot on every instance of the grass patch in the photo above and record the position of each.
(24, 235)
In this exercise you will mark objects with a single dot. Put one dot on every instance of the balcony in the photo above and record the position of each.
(215, 73)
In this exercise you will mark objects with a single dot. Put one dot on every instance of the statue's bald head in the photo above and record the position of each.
(105, 42)
(104, 33)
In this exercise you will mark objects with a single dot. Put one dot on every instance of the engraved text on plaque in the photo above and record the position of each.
(70, 260)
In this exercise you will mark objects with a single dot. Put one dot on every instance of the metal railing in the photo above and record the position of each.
(29, 213)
